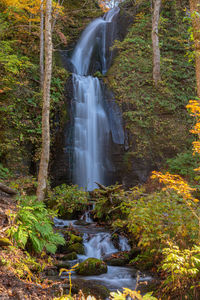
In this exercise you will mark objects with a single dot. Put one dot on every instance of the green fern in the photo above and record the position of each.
(33, 224)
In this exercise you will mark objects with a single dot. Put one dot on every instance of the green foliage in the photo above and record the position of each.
(182, 268)
(68, 199)
(108, 203)
(183, 164)
(155, 117)
(4, 172)
(33, 227)
(158, 218)
(133, 294)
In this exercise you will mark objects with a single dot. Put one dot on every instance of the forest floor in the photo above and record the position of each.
(20, 286)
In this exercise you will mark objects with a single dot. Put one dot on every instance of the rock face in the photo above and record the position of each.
(62, 156)
(91, 266)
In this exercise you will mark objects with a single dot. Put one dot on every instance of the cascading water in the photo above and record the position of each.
(91, 123)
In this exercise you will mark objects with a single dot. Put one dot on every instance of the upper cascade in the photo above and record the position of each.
(94, 38)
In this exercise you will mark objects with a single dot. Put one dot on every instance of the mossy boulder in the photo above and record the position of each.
(77, 247)
(69, 248)
(117, 259)
(4, 242)
(70, 256)
(91, 266)
(75, 239)
(63, 264)
(90, 288)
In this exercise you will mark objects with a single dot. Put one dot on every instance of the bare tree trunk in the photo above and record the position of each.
(42, 44)
(195, 15)
(155, 42)
(44, 161)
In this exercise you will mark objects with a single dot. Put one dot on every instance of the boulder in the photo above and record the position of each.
(90, 288)
(70, 256)
(91, 266)
(117, 259)
(63, 265)
(75, 239)
(77, 248)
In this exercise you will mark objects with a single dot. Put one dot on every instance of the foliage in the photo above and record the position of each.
(156, 119)
(68, 198)
(158, 218)
(32, 227)
(182, 268)
(133, 294)
(113, 296)
(4, 172)
(108, 202)
(23, 264)
(183, 164)
(69, 272)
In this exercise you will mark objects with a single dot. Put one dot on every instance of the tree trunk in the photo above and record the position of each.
(7, 189)
(42, 44)
(195, 15)
(155, 42)
(44, 161)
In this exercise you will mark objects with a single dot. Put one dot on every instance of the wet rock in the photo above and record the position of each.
(63, 264)
(75, 239)
(90, 288)
(81, 223)
(70, 256)
(4, 242)
(117, 259)
(92, 266)
(77, 248)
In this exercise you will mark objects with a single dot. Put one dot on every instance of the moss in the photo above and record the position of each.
(91, 266)
(75, 239)
(156, 120)
(70, 256)
(77, 247)
(89, 287)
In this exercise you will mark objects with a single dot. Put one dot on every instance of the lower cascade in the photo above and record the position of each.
(98, 244)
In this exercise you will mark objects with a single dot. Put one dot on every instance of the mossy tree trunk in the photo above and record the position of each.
(44, 161)
(195, 15)
(155, 41)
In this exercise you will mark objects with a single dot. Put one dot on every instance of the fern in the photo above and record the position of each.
(33, 224)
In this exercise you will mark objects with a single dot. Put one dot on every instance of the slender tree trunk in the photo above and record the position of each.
(42, 44)
(195, 15)
(155, 42)
(44, 161)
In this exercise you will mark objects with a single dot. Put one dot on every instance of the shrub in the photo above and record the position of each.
(33, 227)
(68, 198)
(183, 164)
(183, 270)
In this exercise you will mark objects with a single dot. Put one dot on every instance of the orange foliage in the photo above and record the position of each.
(177, 183)
(27, 10)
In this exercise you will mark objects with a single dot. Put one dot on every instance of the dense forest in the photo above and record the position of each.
(99, 149)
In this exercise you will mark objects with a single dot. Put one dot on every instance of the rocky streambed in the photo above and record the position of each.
(103, 259)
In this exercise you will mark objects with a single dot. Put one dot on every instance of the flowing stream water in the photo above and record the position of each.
(98, 244)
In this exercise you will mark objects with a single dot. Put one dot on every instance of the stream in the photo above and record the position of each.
(98, 243)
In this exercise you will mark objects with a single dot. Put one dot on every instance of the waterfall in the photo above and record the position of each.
(91, 121)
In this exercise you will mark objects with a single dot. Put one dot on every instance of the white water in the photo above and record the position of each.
(91, 125)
